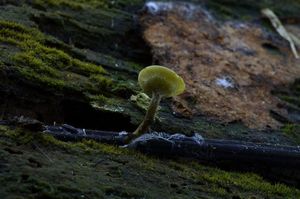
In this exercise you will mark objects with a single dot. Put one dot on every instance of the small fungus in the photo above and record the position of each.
(159, 82)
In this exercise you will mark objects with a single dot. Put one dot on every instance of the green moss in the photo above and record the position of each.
(108, 149)
(246, 182)
(85, 68)
(8, 40)
(141, 100)
(292, 131)
(100, 81)
(291, 99)
(38, 163)
(125, 89)
(50, 56)
(19, 29)
(77, 4)
(1, 65)
(37, 65)
(83, 4)
(49, 66)
(291, 95)
(93, 169)
(44, 80)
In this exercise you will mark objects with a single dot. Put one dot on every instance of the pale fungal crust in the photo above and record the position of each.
(161, 80)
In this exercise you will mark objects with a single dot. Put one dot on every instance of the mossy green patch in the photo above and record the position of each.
(141, 100)
(77, 4)
(42, 61)
(1, 65)
(290, 96)
(291, 99)
(36, 64)
(292, 131)
(36, 165)
(45, 65)
(81, 4)
(246, 182)
(65, 67)
(101, 81)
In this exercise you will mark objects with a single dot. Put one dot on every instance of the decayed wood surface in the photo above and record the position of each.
(229, 68)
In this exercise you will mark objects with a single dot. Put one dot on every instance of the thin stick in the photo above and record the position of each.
(43, 153)
(280, 29)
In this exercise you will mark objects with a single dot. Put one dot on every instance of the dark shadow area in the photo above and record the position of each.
(83, 115)
(271, 48)
(33, 102)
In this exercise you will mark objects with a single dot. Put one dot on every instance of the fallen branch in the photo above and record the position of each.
(70, 133)
(195, 147)
(275, 162)
(281, 30)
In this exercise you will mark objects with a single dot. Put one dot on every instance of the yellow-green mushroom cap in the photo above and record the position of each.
(161, 80)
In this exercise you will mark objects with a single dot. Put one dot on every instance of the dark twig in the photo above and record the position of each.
(207, 150)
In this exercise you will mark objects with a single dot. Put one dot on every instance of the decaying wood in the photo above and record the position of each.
(230, 68)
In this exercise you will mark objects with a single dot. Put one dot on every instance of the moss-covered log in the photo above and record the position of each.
(77, 62)
(51, 57)
(35, 165)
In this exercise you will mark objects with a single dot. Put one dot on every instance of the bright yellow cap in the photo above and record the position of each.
(161, 80)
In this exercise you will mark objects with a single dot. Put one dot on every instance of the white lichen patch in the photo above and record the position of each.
(155, 7)
(225, 82)
(183, 8)
(164, 137)
(123, 133)
(106, 107)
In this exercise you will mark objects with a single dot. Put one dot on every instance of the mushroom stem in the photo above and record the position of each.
(150, 115)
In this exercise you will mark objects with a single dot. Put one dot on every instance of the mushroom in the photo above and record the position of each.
(159, 82)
